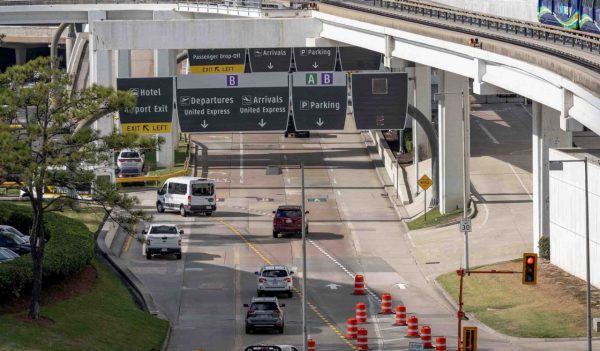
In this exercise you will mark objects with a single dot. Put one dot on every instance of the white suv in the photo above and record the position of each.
(274, 279)
(130, 159)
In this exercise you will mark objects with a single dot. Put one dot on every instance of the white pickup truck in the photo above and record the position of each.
(162, 239)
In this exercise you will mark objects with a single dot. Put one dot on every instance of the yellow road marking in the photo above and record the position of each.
(130, 236)
(267, 261)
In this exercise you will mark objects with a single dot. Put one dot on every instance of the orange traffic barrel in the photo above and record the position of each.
(352, 328)
(359, 285)
(362, 342)
(386, 303)
(426, 337)
(440, 343)
(311, 345)
(413, 327)
(400, 315)
(361, 312)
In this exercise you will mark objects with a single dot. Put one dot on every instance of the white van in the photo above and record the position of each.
(187, 195)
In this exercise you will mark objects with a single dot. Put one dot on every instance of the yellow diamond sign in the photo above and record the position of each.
(425, 182)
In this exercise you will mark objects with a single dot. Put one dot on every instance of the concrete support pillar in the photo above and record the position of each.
(69, 43)
(452, 108)
(165, 64)
(546, 134)
(422, 101)
(101, 71)
(20, 56)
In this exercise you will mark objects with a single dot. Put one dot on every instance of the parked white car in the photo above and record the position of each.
(162, 239)
(274, 279)
(187, 195)
(130, 159)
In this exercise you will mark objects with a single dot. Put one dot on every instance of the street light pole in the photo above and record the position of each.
(304, 279)
(588, 303)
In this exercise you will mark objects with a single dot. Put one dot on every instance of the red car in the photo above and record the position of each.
(288, 219)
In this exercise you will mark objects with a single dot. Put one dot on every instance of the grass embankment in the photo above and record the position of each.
(180, 156)
(103, 318)
(434, 218)
(554, 308)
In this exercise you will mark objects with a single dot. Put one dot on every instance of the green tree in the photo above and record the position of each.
(44, 139)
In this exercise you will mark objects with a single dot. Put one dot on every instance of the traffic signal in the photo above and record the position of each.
(470, 338)
(530, 268)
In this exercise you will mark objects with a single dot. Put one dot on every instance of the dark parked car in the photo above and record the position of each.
(7, 255)
(288, 219)
(14, 242)
(264, 312)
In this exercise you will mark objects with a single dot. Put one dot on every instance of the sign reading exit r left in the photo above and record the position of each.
(153, 112)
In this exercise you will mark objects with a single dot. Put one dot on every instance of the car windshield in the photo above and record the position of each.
(274, 273)
(289, 213)
(163, 229)
(7, 254)
(14, 237)
(263, 306)
(130, 154)
(11, 230)
(203, 189)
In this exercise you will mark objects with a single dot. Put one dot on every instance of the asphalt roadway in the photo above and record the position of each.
(354, 229)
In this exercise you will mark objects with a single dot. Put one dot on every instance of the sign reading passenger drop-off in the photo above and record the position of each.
(217, 61)
(319, 100)
(153, 112)
(233, 102)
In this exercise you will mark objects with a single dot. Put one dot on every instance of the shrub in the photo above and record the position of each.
(71, 247)
(544, 246)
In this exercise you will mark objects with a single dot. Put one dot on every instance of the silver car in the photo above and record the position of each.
(274, 279)
(264, 347)
(264, 312)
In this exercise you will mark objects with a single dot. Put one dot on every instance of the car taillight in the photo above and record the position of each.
(179, 242)
(189, 200)
(288, 279)
(120, 160)
(261, 280)
(276, 313)
(251, 313)
(137, 160)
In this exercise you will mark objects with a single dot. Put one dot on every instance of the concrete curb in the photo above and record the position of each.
(135, 286)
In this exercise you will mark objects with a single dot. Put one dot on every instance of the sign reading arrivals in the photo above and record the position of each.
(379, 100)
(233, 102)
(217, 61)
(153, 112)
(320, 100)
(315, 59)
(270, 59)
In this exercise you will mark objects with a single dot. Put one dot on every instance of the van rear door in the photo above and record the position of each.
(202, 194)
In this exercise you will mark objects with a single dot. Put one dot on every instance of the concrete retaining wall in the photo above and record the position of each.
(567, 217)
(517, 9)
(389, 164)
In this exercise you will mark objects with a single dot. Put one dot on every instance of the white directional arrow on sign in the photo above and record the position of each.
(332, 286)
(270, 66)
(401, 286)
(204, 124)
(262, 123)
(315, 65)
(320, 122)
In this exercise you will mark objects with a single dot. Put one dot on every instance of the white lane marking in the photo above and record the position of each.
(288, 180)
(375, 320)
(392, 340)
(342, 267)
(241, 159)
(194, 269)
(487, 132)
(285, 157)
(519, 179)
(401, 286)
(339, 192)
(334, 181)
